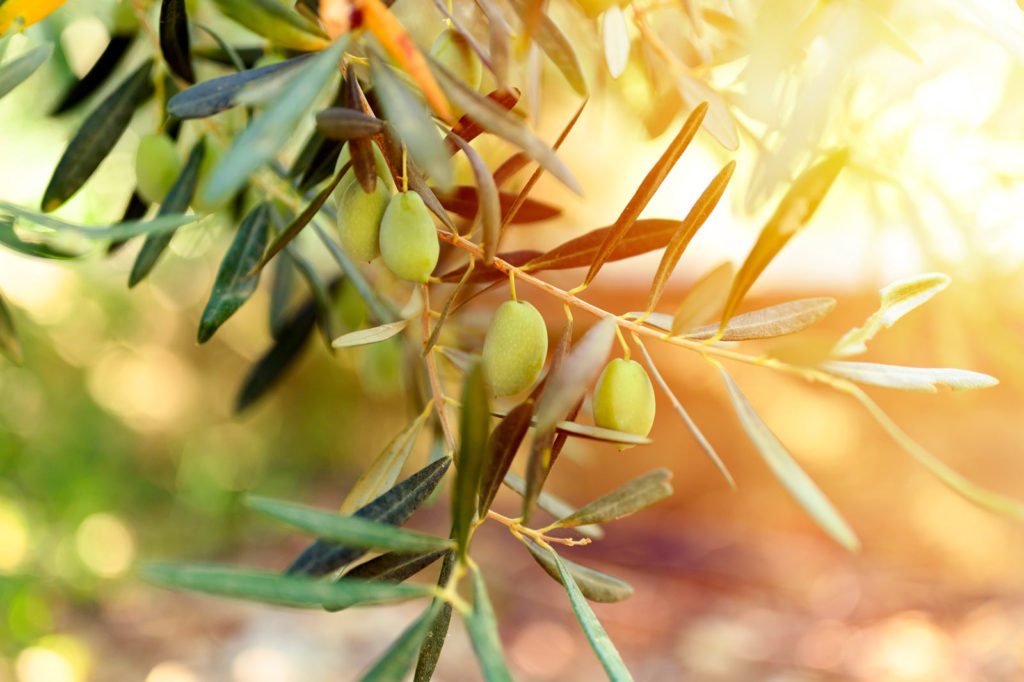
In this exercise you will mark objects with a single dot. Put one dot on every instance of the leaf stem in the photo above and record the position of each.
(538, 536)
(435, 381)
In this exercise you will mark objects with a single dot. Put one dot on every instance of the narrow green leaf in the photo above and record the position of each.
(124, 230)
(793, 212)
(10, 239)
(704, 299)
(488, 200)
(694, 220)
(552, 504)
(496, 120)
(627, 499)
(234, 285)
(898, 299)
(396, 661)
(765, 323)
(789, 473)
(97, 136)
(275, 21)
(924, 379)
(383, 471)
(646, 191)
(218, 94)
(394, 507)
(327, 315)
(474, 427)
(177, 201)
(272, 588)
(555, 45)
(395, 567)
(483, 632)
(267, 133)
(430, 651)
(10, 344)
(354, 531)
(599, 640)
(342, 123)
(13, 73)
(595, 586)
(502, 446)
(174, 39)
(299, 222)
(97, 75)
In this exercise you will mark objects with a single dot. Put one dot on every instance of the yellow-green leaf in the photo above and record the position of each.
(704, 299)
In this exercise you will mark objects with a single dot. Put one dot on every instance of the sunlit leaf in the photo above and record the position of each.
(483, 632)
(276, 22)
(908, 378)
(10, 344)
(174, 39)
(82, 88)
(789, 473)
(474, 427)
(396, 661)
(793, 212)
(272, 588)
(599, 640)
(47, 224)
(488, 200)
(14, 72)
(898, 299)
(696, 218)
(234, 283)
(719, 121)
(430, 651)
(594, 585)
(97, 136)
(646, 236)
(552, 504)
(646, 191)
(615, 38)
(469, 128)
(765, 323)
(383, 471)
(393, 507)
(502, 446)
(267, 133)
(500, 35)
(218, 94)
(704, 299)
(627, 499)
(177, 201)
(353, 531)
(555, 45)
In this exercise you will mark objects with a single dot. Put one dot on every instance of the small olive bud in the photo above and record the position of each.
(359, 216)
(515, 348)
(157, 165)
(408, 240)
(454, 53)
(624, 398)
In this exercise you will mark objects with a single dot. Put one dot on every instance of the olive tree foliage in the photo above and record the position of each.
(374, 183)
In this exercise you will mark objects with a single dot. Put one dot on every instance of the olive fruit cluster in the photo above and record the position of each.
(624, 398)
(515, 348)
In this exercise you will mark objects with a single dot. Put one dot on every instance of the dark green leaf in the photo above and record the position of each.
(501, 450)
(483, 632)
(98, 73)
(273, 588)
(174, 40)
(177, 201)
(625, 500)
(430, 652)
(353, 531)
(234, 284)
(396, 661)
(216, 95)
(599, 640)
(10, 344)
(393, 507)
(10, 239)
(123, 230)
(281, 288)
(342, 123)
(300, 221)
(13, 73)
(97, 136)
(596, 586)
(267, 133)
(395, 567)
(475, 424)
(555, 45)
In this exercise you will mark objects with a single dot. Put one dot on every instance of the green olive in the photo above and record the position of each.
(515, 348)
(455, 53)
(212, 155)
(157, 165)
(408, 240)
(359, 216)
(624, 398)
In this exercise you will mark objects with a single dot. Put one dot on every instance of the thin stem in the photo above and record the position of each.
(538, 536)
(435, 381)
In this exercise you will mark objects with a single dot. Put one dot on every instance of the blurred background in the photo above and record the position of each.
(118, 442)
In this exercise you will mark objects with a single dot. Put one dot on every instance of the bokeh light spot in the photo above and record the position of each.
(13, 536)
(544, 650)
(105, 545)
(171, 671)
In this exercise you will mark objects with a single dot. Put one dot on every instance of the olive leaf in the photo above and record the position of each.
(38, 249)
(393, 507)
(703, 300)
(10, 344)
(396, 567)
(464, 201)
(327, 314)
(500, 39)
(84, 87)
(898, 299)
(273, 588)
(430, 650)
(694, 220)
(908, 378)
(352, 531)
(474, 427)
(234, 283)
(276, 22)
(777, 320)
(488, 201)
(594, 585)
(552, 504)
(343, 123)
(468, 128)
(645, 191)
(502, 446)
(554, 43)
(97, 137)
(647, 235)
(396, 661)
(793, 212)
(793, 478)
(483, 632)
(17, 70)
(615, 39)
(627, 499)
(45, 224)
(174, 39)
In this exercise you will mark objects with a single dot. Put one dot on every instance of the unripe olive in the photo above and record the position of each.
(157, 165)
(624, 398)
(408, 240)
(454, 52)
(212, 155)
(514, 348)
(359, 216)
